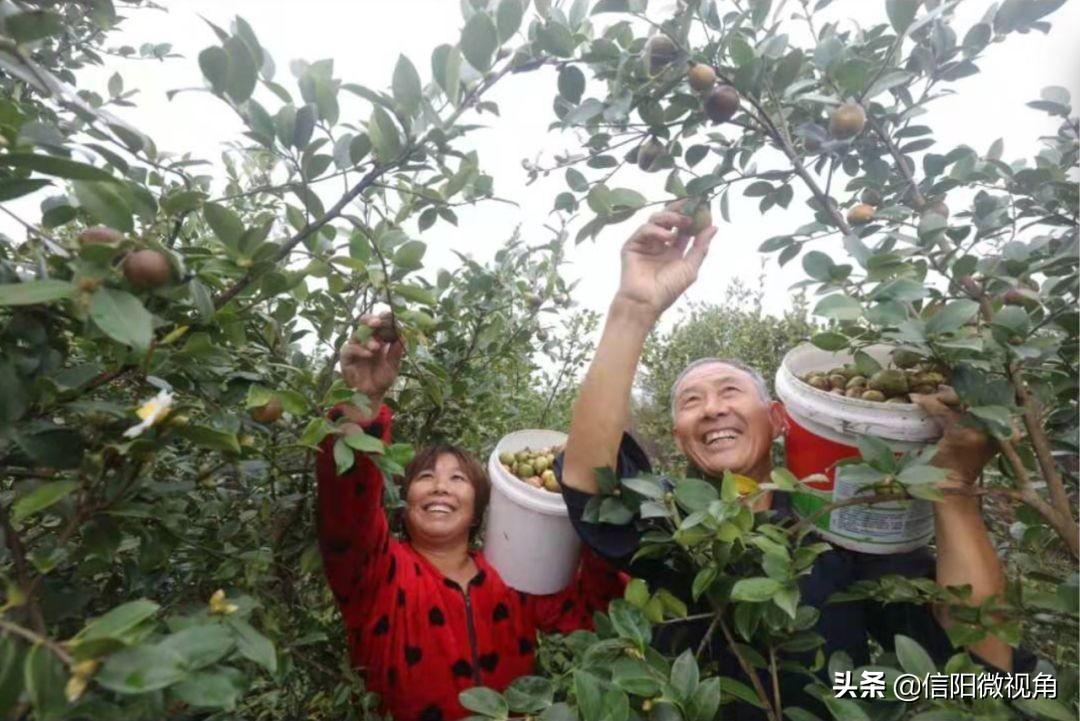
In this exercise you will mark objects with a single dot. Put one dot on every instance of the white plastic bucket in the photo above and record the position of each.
(529, 539)
(824, 427)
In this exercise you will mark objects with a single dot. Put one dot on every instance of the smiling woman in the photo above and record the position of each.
(427, 617)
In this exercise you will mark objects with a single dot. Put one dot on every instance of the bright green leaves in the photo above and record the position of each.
(41, 498)
(232, 69)
(122, 317)
(32, 292)
(384, 135)
(839, 306)
(486, 702)
(446, 69)
(479, 40)
(108, 203)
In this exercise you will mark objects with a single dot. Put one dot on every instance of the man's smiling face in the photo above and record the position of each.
(723, 422)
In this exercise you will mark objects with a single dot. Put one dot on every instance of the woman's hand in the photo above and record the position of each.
(963, 449)
(370, 367)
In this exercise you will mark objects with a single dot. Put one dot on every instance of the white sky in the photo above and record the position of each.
(364, 38)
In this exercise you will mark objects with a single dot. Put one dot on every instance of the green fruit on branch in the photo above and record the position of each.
(533, 300)
(100, 235)
(847, 121)
(701, 77)
(649, 155)
(721, 103)
(701, 214)
(269, 412)
(147, 269)
(660, 52)
(860, 213)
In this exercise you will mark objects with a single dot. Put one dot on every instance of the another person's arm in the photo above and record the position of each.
(595, 585)
(656, 269)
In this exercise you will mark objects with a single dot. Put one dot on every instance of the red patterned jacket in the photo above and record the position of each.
(417, 636)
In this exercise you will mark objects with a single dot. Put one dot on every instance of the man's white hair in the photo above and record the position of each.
(759, 381)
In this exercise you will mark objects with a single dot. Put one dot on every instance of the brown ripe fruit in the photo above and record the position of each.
(146, 269)
(701, 77)
(100, 235)
(268, 413)
(860, 213)
(721, 103)
(386, 333)
(847, 121)
(871, 196)
(660, 52)
(649, 153)
(970, 285)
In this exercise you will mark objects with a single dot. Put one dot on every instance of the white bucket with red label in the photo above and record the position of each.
(824, 428)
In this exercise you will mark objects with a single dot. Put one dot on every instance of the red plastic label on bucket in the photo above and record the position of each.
(808, 454)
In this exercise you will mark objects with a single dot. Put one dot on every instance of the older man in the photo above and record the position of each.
(725, 420)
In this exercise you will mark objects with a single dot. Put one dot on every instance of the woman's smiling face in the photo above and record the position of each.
(440, 503)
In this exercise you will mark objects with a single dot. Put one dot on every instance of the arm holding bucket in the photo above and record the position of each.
(965, 553)
(657, 267)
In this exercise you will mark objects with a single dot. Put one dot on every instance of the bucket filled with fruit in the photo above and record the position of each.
(528, 537)
(831, 399)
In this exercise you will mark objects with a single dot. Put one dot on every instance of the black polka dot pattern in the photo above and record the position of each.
(489, 661)
(568, 606)
(525, 646)
(435, 616)
(392, 571)
(401, 597)
(413, 654)
(382, 626)
(391, 676)
(431, 713)
(461, 668)
(501, 612)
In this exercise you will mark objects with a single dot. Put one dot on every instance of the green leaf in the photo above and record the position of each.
(877, 453)
(704, 578)
(219, 687)
(141, 669)
(34, 291)
(214, 63)
(41, 498)
(210, 438)
(406, 86)
(106, 203)
(951, 317)
(122, 317)
(784, 479)
(755, 590)
(694, 494)
(508, 18)
(706, 700)
(410, 255)
(1046, 708)
(31, 25)
(530, 694)
(685, 675)
(744, 693)
(839, 306)
(913, 657)
(479, 39)
(200, 645)
(118, 622)
(58, 167)
(636, 593)
(817, 265)
(364, 443)
(901, 13)
(44, 676)
(918, 475)
(11, 188)
(226, 224)
(485, 702)
(242, 72)
(830, 341)
(571, 83)
(384, 136)
(997, 419)
(252, 645)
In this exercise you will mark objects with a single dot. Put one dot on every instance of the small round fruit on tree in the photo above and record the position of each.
(847, 121)
(721, 103)
(660, 52)
(100, 235)
(386, 333)
(533, 300)
(649, 154)
(860, 213)
(269, 412)
(699, 210)
(147, 269)
(871, 196)
(701, 77)
(541, 335)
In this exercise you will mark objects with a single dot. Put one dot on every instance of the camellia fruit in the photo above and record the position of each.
(269, 412)
(937, 207)
(860, 213)
(847, 121)
(386, 333)
(701, 77)
(702, 216)
(871, 196)
(147, 269)
(720, 104)
(100, 235)
(660, 52)
(649, 153)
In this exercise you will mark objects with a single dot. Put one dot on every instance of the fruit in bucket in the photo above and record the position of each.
(907, 373)
(533, 467)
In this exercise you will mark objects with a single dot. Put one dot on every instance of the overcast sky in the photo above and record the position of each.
(364, 38)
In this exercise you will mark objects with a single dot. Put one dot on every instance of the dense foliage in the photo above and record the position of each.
(168, 336)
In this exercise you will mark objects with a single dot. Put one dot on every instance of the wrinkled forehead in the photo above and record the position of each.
(708, 374)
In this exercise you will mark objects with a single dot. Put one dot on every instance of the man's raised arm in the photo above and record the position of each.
(657, 268)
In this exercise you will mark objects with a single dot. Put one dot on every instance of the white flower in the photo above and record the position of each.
(151, 412)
